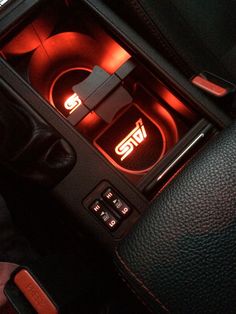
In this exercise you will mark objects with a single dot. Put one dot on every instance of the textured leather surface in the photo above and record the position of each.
(194, 35)
(181, 256)
(31, 148)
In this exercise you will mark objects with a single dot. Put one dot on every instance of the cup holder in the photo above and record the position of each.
(65, 59)
(61, 95)
(61, 62)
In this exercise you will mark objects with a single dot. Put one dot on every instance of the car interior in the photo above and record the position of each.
(117, 156)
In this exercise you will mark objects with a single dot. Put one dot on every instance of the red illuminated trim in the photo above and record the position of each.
(137, 172)
(133, 139)
(169, 126)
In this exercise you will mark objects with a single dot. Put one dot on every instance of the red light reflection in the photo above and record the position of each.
(90, 120)
(58, 55)
(90, 125)
(114, 56)
(176, 104)
(32, 36)
(169, 125)
(70, 50)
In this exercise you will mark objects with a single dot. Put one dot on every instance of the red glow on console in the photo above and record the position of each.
(60, 53)
(176, 104)
(32, 36)
(91, 120)
(170, 128)
(114, 57)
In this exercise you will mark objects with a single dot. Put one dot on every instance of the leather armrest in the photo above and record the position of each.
(181, 256)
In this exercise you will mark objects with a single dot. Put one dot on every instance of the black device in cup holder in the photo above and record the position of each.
(61, 94)
(63, 61)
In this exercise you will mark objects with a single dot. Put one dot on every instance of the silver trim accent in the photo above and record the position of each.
(180, 156)
(3, 2)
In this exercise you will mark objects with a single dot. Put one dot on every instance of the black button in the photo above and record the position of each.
(113, 199)
(104, 215)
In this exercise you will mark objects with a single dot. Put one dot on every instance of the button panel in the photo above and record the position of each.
(104, 215)
(108, 206)
(116, 202)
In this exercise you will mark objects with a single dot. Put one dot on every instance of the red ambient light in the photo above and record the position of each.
(61, 93)
(134, 142)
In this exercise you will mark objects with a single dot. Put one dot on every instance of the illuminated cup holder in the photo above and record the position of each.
(133, 143)
(61, 94)
(65, 59)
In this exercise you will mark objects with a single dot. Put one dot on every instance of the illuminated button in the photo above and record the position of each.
(109, 220)
(97, 207)
(104, 215)
(116, 202)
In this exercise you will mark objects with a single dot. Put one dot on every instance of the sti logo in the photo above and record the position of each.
(132, 140)
(72, 103)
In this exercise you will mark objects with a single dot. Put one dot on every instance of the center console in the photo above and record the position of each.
(132, 125)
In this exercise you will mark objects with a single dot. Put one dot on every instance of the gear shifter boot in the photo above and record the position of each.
(30, 147)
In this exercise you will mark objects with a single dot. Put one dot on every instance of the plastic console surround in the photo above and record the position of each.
(92, 168)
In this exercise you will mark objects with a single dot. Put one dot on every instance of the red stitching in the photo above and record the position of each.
(135, 293)
(140, 282)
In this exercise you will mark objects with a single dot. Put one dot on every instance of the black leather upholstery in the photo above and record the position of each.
(181, 256)
(193, 35)
(31, 148)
